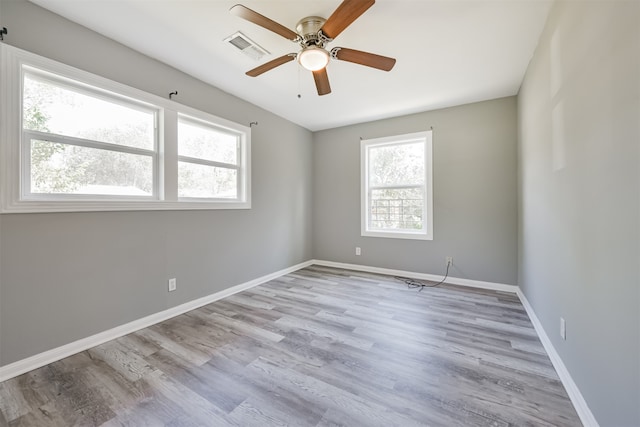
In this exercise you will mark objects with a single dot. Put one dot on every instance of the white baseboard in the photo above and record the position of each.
(585, 414)
(423, 276)
(25, 365)
(22, 366)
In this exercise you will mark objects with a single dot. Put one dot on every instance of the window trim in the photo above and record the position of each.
(12, 200)
(241, 184)
(365, 189)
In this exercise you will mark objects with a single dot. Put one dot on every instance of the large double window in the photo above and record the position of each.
(73, 141)
(396, 187)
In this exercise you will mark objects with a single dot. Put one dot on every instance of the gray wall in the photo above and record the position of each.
(571, 223)
(579, 190)
(474, 185)
(67, 276)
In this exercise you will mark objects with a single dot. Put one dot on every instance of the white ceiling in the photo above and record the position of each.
(449, 52)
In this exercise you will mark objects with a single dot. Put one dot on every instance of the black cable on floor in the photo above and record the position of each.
(413, 283)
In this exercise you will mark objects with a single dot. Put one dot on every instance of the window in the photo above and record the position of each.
(396, 187)
(208, 160)
(73, 141)
(78, 141)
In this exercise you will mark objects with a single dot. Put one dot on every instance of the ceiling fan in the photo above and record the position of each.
(313, 34)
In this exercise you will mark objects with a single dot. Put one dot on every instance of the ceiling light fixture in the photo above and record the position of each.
(313, 58)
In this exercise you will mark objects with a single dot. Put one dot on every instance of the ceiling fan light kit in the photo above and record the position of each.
(313, 58)
(313, 34)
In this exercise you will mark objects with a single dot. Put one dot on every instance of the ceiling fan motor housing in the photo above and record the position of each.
(309, 29)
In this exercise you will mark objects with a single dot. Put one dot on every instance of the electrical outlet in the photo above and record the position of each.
(358, 251)
(563, 328)
(172, 285)
(449, 261)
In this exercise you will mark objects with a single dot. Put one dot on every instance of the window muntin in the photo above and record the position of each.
(33, 149)
(396, 187)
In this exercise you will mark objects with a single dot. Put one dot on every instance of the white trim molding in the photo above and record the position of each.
(423, 276)
(585, 414)
(16, 194)
(22, 366)
(424, 186)
(25, 365)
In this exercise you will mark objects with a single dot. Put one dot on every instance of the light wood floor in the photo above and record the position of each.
(318, 347)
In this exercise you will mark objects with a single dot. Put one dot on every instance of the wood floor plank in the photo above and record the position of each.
(366, 412)
(13, 402)
(318, 347)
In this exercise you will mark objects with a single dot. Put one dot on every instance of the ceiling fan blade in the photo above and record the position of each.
(322, 81)
(344, 15)
(253, 16)
(271, 65)
(364, 58)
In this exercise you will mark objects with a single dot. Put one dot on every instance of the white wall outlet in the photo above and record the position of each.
(172, 285)
(449, 261)
(563, 328)
(358, 251)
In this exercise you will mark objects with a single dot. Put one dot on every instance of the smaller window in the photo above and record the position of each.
(396, 187)
(209, 161)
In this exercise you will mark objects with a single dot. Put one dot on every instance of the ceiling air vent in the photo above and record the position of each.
(247, 46)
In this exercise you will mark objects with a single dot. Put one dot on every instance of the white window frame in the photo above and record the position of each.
(15, 198)
(365, 190)
(198, 121)
(28, 135)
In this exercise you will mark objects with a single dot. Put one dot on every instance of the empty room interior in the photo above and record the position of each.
(320, 213)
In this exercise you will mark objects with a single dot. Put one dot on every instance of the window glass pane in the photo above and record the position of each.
(52, 108)
(397, 209)
(396, 164)
(207, 143)
(67, 169)
(195, 180)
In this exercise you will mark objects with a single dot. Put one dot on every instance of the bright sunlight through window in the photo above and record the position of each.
(396, 187)
(207, 160)
(74, 141)
(81, 141)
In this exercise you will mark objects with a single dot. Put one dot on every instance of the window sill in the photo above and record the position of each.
(102, 206)
(397, 235)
